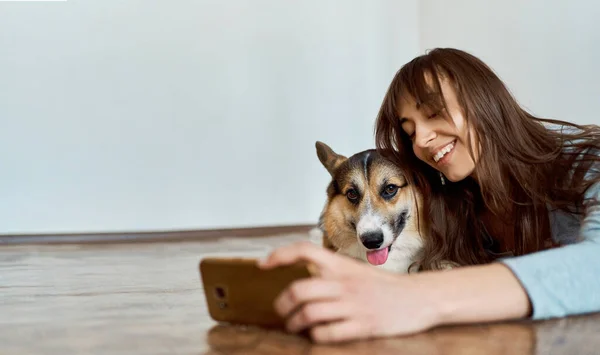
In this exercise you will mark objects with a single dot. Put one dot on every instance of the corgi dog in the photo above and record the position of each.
(371, 212)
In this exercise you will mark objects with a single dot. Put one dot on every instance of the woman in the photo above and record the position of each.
(510, 197)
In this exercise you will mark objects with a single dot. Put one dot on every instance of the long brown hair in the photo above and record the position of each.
(524, 168)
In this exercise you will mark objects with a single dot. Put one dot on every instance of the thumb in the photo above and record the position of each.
(319, 257)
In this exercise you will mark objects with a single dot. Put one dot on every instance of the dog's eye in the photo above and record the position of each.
(390, 190)
(352, 195)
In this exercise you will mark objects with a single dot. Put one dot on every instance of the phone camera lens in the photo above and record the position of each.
(220, 292)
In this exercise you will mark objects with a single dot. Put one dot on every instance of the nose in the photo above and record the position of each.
(372, 240)
(423, 135)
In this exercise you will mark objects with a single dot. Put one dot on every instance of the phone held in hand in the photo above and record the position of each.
(238, 292)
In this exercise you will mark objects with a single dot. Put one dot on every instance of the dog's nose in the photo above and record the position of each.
(372, 240)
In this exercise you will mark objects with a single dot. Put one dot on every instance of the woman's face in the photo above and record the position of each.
(440, 138)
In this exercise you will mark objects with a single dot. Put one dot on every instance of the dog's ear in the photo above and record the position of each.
(330, 159)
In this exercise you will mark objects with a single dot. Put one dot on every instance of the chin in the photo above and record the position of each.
(457, 176)
(451, 175)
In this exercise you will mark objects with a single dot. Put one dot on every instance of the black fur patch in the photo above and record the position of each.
(367, 162)
(400, 222)
(352, 224)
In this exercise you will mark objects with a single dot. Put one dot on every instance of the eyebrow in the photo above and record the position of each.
(431, 98)
(404, 119)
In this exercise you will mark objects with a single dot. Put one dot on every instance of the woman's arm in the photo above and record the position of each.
(565, 281)
(552, 283)
(353, 300)
(476, 294)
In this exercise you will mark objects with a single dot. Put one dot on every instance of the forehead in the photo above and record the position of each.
(369, 170)
(410, 103)
(407, 105)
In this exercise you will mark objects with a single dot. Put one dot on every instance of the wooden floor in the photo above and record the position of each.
(146, 298)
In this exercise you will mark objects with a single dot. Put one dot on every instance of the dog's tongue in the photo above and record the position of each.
(377, 257)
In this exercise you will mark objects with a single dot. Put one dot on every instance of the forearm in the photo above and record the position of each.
(561, 282)
(475, 294)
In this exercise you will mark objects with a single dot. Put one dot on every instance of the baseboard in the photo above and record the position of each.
(150, 237)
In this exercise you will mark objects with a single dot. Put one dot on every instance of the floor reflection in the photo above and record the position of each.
(512, 338)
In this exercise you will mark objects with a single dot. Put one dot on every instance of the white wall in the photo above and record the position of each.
(139, 115)
(547, 52)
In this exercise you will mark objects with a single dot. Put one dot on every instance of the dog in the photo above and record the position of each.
(371, 211)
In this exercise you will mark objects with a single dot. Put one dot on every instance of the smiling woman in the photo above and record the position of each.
(438, 131)
(518, 184)
(447, 115)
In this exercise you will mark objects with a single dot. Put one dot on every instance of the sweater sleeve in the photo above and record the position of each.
(565, 281)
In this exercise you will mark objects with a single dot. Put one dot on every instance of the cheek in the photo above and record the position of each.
(419, 153)
(462, 131)
(464, 164)
(468, 143)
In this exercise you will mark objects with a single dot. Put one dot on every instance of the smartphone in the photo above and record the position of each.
(238, 292)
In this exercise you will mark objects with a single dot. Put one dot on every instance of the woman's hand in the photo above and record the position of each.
(350, 300)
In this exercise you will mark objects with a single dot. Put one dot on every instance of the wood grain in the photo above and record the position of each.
(146, 298)
(150, 237)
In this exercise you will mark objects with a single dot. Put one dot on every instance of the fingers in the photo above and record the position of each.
(318, 312)
(310, 302)
(304, 291)
(345, 330)
(297, 252)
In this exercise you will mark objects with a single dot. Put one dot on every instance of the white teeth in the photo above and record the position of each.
(439, 155)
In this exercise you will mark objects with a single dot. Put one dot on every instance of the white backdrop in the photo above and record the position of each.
(147, 115)
(139, 115)
(547, 52)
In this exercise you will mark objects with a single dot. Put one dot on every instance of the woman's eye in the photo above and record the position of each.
(436, 114)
